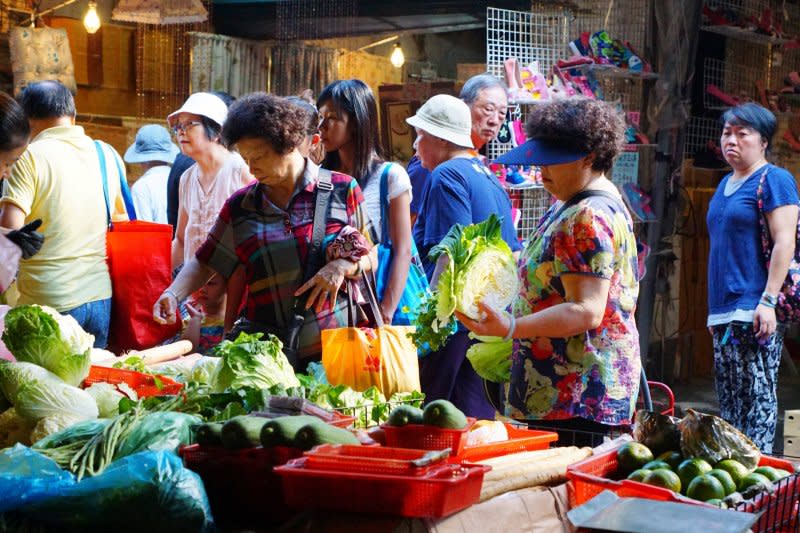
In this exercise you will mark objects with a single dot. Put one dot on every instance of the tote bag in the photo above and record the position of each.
(416, 289)
(361, 357)
(140, 265)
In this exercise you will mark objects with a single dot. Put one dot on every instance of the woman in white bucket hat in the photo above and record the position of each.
(461, 190)
(216, 175)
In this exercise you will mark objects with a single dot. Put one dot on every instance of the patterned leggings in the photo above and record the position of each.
(746, 380)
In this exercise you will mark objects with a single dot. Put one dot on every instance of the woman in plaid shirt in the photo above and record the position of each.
(266, 227)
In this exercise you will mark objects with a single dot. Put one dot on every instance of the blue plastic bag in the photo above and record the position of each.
(148, 491)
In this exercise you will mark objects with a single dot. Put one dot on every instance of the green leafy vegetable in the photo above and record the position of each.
(429, 331)
(480, 267)
(491, 358)
(107, 398)
(40, 335)
(251, 362)
(39, 399)
(14, 375)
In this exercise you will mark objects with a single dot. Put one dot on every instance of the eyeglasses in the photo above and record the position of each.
(184, 127)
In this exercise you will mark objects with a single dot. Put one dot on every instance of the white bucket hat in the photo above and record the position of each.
(204, 104)
(446, 117)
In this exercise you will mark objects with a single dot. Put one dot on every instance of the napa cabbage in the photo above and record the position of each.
(42, 336)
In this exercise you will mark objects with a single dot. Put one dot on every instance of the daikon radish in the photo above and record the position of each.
(161, 354)
(531, 473)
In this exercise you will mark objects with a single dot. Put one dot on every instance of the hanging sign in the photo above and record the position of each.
(626, 168)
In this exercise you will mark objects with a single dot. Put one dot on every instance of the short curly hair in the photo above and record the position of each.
(272, 118)
(581, 124)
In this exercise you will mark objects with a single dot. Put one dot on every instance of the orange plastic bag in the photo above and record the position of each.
(140, 266)
(362, 357)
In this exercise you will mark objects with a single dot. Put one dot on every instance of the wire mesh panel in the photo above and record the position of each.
(531, 203)
(735, 79)
(743, 8)
(698, 133)
(626, 20)
(539, 35)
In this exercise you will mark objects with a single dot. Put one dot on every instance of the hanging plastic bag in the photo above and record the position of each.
(362, 357)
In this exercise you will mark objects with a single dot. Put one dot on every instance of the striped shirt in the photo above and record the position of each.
(273, 243)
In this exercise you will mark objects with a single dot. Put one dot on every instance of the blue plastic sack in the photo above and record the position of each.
(148, 491)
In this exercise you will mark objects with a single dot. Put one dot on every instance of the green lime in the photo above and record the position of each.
(662, 477)
(719, 503)
(639, 475)
(752, 479)
(705, 487)
(632, 456)
(724, 478)
(656, 464)
(691, 468)
(736, 469)
(673, 458)
(767, 471)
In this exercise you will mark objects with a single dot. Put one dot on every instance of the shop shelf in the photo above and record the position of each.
(779, 510)
(442, 491)
(242, 488)
(519, 440)
(144, 384)
(425, 437)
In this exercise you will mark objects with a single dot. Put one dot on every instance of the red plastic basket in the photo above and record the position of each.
(519, 440)
(780, 509)
(424, 437)
(367, 459)
(144, 384)
(442, 491)
(242, 488)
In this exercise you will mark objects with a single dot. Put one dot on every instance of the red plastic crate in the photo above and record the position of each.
(780, 509)
(424, 437)
(368, 459)
(442, 491)
(519, 440)
(242, 488)
(143, 384)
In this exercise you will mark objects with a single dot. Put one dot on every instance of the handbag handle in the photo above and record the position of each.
(372, 300)
(123, 185)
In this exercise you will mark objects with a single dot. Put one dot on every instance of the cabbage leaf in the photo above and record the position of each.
(39, 399)
(491, 358)
(40, 335)
(14, 375)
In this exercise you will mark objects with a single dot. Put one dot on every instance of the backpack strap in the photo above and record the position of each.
(123, 183)
(384, 201)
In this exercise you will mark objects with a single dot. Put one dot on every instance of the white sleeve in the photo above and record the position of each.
(141, 202)
(399, 182)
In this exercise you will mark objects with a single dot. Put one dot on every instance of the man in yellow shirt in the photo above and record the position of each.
(58, 180)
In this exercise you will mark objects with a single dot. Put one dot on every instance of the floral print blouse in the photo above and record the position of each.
(593, 375)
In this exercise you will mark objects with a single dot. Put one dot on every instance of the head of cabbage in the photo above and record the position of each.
(42, 336)
(480, 268)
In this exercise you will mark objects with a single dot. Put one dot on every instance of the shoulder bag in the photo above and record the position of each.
(788, 307)
(138, 254)
(416, 289)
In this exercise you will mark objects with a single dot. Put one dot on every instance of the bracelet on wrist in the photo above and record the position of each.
(512, 325)
(768, 298)
(767, 304)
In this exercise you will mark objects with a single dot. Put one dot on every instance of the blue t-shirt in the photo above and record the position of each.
(419, 177)
(460, 191)
(737, 272)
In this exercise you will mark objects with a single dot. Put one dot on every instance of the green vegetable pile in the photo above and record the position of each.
(251, 362)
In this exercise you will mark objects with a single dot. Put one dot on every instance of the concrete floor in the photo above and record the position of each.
(700, 395)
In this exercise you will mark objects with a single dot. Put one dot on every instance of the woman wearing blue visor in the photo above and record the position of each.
(575, 361)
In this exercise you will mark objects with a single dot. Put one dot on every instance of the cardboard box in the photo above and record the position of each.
(791, 423)
(791, 446)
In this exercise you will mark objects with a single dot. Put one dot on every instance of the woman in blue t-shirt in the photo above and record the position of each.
(742, 291)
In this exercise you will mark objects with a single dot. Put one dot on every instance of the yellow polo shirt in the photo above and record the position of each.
(58, 180)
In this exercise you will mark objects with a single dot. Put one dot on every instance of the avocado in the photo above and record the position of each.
(444, 414)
